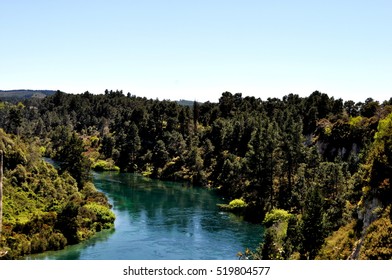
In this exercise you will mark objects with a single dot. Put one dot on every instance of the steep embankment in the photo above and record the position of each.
(369, 234)
(42, 209)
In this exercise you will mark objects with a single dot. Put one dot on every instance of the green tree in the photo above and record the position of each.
(291, 151)
(196, 166)
(129, 149)
(72, 159)
(160, 157)
(107, 145)
(369, 108)
(261, 164)
(227, 104)
(312, 227)
(196, 115)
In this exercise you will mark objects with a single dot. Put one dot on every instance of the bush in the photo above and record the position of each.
(276, 215)
(57, 241)
(104, 165)
(237, 203)
(235, 206)
(104, 216)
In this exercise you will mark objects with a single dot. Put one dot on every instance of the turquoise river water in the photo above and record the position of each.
(157, 220)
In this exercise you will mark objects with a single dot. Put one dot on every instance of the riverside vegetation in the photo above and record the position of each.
(316, 171)
(44, 209)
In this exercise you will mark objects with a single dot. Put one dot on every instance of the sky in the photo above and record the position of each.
(195, 50)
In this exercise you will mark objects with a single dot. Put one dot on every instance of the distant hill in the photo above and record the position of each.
(189, 103)
(11, 95)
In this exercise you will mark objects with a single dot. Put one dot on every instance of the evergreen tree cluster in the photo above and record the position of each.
(319, 159)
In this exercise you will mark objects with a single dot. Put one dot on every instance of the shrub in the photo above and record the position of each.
(237, 203)
(103, 214)
(57, 241)
(276, 215)
(105, 165)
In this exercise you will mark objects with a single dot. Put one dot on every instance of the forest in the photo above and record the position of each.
(315, 171)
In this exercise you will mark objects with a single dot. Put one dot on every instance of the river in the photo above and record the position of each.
(162, 221)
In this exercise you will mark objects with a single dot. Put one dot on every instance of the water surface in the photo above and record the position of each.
(162, 220)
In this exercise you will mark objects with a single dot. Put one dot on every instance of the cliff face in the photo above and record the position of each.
(367, 234)
(366, 216)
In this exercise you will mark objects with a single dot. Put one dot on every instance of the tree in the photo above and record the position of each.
(291, 150)
(226, 104)
(196, 114)
(160, 156)
(15, 119)
(72, 159)
(369, 108)
(129, 148)
(231, 177)
(196, 165)
(312, 227)
(261, 163)
(107, 145)
(351, 108)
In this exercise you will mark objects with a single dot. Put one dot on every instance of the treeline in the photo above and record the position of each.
(43, 208)
(316, 170)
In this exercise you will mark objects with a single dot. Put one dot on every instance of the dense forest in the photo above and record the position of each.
(316, 171)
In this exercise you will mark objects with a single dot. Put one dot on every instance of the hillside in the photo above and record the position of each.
(43, 208)
(12, 95)
(316, 171)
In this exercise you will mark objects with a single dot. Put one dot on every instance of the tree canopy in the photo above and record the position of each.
(320, 159)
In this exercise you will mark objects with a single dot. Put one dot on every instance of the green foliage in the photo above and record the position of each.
(355, 121)
(339, 245)
(383, 130)
(237, 203)
(43, 210)
(377, 242)
(275, 238)
(313, 228)
(103, 215)
(68, 149)
(276, 216)
(308, 165)
(105, 165)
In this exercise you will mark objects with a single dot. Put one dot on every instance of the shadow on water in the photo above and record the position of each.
(163, 220)
(73, 252)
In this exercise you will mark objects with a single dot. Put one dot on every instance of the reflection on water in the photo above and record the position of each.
(162, 220)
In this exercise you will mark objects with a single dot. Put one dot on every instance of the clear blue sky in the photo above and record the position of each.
(198, 49)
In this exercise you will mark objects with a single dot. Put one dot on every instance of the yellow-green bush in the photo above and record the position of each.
(237, 203)
(276, 215)
(105, 165)
(103, 214)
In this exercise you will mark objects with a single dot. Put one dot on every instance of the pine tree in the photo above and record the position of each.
(291, 147)
(312, 227)
(72, 159)
(261, 163)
